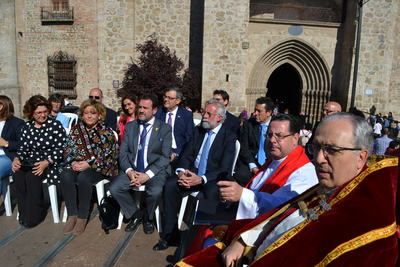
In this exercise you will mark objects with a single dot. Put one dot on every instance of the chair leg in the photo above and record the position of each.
(120, 218)
(158, 219)
(65, 215)
(100, 191)
(182, 226)
(54, 203)
(7, 202)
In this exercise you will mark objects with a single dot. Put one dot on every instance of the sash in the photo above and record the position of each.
(295, 160)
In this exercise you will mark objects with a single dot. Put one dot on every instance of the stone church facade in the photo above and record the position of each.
(299, 52)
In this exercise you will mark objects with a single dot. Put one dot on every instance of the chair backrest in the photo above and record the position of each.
(237, 150)
(73, 119)
(196, 122)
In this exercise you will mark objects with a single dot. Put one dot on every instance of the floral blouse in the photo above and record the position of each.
(44, 143)
(97, 146)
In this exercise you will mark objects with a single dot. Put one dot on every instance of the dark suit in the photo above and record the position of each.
(111, 119)
(183, 127)
(12, 134)
(249, 143)
(233, 123)
(158, 156)
(220, 160)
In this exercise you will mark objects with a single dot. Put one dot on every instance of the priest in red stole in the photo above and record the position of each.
(349, 219)
(287, 173)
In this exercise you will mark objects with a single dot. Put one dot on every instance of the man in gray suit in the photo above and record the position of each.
(144, 160)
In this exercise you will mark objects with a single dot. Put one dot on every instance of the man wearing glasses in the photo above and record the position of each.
(286, 174)
(111, 115)
(204, 159)
(179, 118)
(348, 219)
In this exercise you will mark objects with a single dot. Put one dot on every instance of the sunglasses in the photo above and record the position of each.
(94, 97)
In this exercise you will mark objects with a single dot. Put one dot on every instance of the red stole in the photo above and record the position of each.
(295, 160)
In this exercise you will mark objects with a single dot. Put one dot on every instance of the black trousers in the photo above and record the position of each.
(77, 189)
(31, 205)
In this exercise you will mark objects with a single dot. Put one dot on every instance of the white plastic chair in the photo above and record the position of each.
(73, 119)
(182, 226)
(196, 122)
(7, 198)
(142, 188)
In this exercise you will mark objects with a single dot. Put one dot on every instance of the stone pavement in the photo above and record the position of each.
(45, 245)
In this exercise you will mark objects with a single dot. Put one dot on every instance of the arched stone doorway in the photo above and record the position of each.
(284, 87)
(312, 69)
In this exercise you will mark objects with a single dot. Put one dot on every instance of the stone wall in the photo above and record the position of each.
(36, 42)
(8, 57)
(168, 20)
(115, 44)
(378, 77)
(225, 28)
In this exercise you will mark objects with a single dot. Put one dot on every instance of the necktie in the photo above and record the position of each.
(261, 152)
(169, 119)
(204, 155)
(142, 143)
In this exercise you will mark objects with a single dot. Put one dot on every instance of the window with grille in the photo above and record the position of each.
(62, 74)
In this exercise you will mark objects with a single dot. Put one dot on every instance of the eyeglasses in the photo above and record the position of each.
(331, 150)
(169, 98)
(278, 136)
(94, 97)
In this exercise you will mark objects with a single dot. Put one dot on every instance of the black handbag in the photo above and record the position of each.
(108, 213)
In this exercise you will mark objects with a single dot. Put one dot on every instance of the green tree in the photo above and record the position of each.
(158, 67)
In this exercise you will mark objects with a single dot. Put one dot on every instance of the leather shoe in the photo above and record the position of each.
(161, 245)
(133, 224)
(148, 228)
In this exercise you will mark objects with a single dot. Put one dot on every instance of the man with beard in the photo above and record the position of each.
(144, 160)
(205, 158)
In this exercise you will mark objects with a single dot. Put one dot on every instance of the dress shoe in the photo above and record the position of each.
(148, 228)
(80, 226)
(70, 224)
(133, 224)
(161, 245)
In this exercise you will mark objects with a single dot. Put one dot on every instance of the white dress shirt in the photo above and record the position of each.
(149, 131)
(253, 203)
(173, 117)
(197, 161)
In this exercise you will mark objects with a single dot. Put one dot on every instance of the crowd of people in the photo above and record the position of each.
(289, 182)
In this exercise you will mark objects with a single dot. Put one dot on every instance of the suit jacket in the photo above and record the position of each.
(158, 151)
(249, 142)
(220, 157)
(183, 126)
(233, 123)
(12, 134)
(111, 119)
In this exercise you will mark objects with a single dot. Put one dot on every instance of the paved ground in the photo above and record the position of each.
(45, 245)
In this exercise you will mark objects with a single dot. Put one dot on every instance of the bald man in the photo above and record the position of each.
(111, 115)
(330, 108)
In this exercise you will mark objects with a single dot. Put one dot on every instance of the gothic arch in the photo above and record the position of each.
(311, 66)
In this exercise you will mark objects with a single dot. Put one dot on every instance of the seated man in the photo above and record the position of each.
(209, 154)
(144, 159)
(286, 174)
(348, 219)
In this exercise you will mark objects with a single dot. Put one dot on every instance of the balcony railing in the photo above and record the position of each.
(50, 16)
